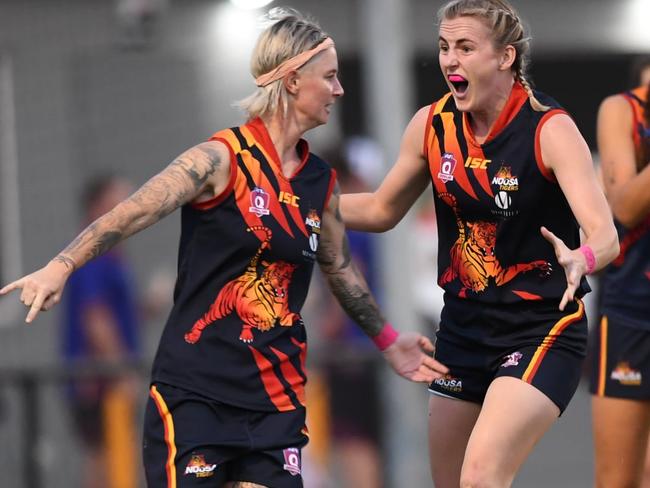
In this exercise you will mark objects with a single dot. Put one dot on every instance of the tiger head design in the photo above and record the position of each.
(473, 257)
(277, 277)
(259, 297)
(482, 237)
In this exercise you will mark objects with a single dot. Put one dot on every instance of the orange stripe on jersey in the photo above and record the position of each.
(285, 185)
(434, 167)
(242, 199)
(547, 173)
(292, 376)
(452, 146)
(429, 133)
(272, 384)
(168, 423)
(258, 130)
(526, 296)
(516, 100)
(481, 174)
(254, 168)
(638, 116)
(229, 137)
(294, 211)
(548, 341)
(602, 360)
(441, 104)
(433, 154)
(303, 353)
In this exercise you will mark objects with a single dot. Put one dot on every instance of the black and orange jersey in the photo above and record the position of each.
(626, 281)
(245, 261)
(491, 200)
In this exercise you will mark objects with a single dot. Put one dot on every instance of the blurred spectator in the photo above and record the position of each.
(137, 20)
(427, 294)
(345, 381)
(100, 329)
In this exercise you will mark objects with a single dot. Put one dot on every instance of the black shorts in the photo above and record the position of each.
(532, 341)
(620, 361)
(191, 441)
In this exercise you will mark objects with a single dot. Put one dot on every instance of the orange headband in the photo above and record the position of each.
(292, 63)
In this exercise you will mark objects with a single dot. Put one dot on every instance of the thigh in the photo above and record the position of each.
(620, 429)
(514, 416)
(450, 424)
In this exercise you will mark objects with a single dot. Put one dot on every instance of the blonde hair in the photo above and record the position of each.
(507, 29)
(288, 33)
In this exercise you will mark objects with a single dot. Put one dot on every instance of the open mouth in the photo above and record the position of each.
(459, 83)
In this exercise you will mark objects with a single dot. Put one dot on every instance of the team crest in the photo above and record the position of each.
(450, 383)
(505, 180)
(259, 202)
(292, 460)
(198, 467)
(313, 221)
(512, 359)
(447, 167)
(625, 375)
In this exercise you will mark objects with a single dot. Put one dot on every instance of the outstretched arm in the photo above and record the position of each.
(196, 175)
(383, 209)
(565, 152)
(406, 353)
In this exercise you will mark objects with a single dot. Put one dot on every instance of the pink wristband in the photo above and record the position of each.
(386, 337)
(588, 253)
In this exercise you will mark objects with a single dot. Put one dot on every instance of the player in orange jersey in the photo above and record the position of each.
(258, 211)
(620, 379)
(513, 183)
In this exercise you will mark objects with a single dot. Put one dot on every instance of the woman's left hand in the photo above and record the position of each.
(573, 262)
(410, 357)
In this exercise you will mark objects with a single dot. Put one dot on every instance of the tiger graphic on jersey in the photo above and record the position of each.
(472, 256)
(260, 301)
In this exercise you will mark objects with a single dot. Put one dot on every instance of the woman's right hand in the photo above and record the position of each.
(42, 289)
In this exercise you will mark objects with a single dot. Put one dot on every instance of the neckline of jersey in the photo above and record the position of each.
(516, 100)
(261, 133)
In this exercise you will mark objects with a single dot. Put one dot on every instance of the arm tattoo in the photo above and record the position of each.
(343, 277)
(181, 181)
(358, 303)
(67, 261)
(178, 184)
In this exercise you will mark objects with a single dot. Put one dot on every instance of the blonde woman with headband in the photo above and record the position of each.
(258, 210)
(513, 183)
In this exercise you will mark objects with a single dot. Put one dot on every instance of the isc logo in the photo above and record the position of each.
(477, 163)
(288, 198)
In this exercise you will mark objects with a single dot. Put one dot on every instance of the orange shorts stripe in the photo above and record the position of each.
(602, 363)
(168, 423)
(548, 341)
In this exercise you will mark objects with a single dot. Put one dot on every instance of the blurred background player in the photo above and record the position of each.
(101, 330)
(621, 355)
